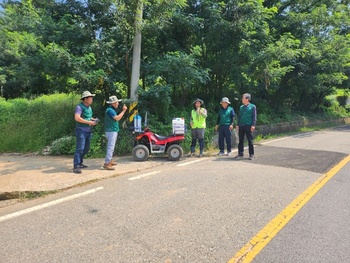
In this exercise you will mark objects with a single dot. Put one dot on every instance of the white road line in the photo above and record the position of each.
(191, 162)
(284, 138)
(275, 140)
(52, 203)
(143, 175)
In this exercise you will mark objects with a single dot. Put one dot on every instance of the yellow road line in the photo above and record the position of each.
(265, 235)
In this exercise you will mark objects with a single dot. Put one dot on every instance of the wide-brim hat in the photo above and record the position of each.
(113, 99)
(225, 99)
(202, 102)
(87, 94)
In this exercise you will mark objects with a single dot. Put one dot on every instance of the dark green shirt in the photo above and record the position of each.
(85, 113)
(247, 115)
(111, 125)
(226, 116)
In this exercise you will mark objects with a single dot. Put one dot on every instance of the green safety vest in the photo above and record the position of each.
(111, 125)
(225, 116)
(246, 114)
(86, 115)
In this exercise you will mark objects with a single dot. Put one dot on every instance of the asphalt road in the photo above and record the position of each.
(195, 210)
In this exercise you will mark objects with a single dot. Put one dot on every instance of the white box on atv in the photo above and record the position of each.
(178, 126)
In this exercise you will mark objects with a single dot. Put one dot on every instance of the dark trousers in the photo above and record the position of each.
(225, 135)
(197, 134)
(245, 130)
(201, 145)
(82, 146)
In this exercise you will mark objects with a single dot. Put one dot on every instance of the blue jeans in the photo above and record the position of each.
(225, 134)
(82, 145)
(111, 140)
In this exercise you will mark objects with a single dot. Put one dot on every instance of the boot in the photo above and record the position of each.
(192, 152)
(201, 147)
(108, 166)
(113, 162)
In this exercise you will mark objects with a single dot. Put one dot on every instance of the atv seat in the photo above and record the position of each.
(160, 137)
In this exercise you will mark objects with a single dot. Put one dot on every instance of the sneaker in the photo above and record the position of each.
(251, 157)
(221, 153)
(108, 166)
(191, 154)
(228, 154)
(239, 156)
(76, 170)
(200, 155)
(81, 166)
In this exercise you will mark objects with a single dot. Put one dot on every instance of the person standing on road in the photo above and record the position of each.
(198, 125)
(83, 130)
(224, 125)
(111, 129)
(246, 125)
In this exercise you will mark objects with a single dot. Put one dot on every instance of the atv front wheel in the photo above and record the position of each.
(174, 152)
(140, 153)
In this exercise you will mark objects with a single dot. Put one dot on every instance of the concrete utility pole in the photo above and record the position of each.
(136, 57)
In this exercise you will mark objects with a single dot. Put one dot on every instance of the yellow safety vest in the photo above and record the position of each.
(198, 120)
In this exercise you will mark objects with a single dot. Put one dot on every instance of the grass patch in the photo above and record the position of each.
(25, 195)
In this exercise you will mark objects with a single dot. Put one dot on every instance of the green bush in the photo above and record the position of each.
(125, 142)
(30, 125)
(61, 146)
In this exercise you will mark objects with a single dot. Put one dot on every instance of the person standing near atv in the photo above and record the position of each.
(246, 125)
(198, 125)
(224, 124)
(83, 130)
(111, 129)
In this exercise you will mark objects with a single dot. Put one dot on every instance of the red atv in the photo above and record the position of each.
(148, 142)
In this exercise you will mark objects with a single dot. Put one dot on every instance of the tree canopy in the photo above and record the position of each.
(289, 54)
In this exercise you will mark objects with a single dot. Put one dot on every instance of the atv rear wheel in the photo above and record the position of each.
(140, 153)
(174, 152)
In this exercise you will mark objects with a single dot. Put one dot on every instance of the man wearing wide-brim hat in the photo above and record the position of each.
(198, 125)
(83, 129)
(224, 124)
(112, 128)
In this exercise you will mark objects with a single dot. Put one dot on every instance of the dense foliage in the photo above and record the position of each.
(288, 54)
(292, 55)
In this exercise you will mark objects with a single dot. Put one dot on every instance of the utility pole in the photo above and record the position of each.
(136, 57)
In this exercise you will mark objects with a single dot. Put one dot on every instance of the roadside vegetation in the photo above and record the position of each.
(45, 125)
